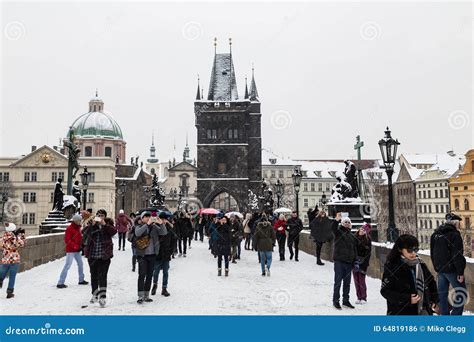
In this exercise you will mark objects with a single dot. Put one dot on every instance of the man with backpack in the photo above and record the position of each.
(448, 260)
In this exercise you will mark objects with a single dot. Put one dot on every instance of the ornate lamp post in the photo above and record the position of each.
(85, 179)
(296, 184)
(279, 191)
(388, 149)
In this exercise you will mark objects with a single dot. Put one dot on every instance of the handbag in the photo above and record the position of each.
(142, 242)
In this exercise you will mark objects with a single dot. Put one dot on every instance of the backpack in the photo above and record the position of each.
(441, 254)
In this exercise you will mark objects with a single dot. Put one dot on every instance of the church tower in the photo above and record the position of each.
(229, 140)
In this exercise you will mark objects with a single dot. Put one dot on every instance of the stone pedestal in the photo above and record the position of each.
(55, 222)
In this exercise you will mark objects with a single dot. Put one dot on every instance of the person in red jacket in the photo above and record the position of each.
(280, 228)
(73, 240)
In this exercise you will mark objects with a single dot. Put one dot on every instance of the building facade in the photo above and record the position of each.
(31, 179)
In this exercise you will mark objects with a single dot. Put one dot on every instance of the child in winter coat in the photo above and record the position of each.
(12, 240)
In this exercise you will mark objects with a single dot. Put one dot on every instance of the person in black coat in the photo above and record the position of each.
(344, 255)
(295, 226)
(162, 263)
(407, 284)
(321, 228)
(359, 271)
(449, 261)
(184, 230)
(222, 245)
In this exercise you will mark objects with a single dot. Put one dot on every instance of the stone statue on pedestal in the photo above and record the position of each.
(58, 196)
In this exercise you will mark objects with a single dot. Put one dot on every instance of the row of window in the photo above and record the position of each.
(456, 188)
(229, 133)
(428, 185)
(90, 197)
(404, 191)
(439, 208)
(88, 151)
(457, 206)
(32, 176)
(437, 194)
(320, 187)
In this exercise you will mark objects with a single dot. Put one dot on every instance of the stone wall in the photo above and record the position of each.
(377, 260)
(41, 249)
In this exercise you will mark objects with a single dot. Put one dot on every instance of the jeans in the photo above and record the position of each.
(121, 240)
(239, 248)
(360, 285)
(99, 269)
(182, 241)
(234, 252)
(219, 261)
(146, 266)
(69, 258)
(248, 239)
(11, 270)
(265, 258)
(342, 274)
(161, 265)
(281, 238)
(444, 280)
(294, 240)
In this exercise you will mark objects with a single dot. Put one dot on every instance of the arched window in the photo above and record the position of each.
(466, 204)
(88, 151)
(456, 204)
(108, 151)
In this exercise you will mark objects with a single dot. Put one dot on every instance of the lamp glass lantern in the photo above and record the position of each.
(85, 178)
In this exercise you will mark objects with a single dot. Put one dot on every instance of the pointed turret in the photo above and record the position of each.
(152, 158)
(198, 94)
(246, 89)
(223, 86)
(253, 88)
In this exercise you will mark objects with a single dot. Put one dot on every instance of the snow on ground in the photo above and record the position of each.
(294, 288)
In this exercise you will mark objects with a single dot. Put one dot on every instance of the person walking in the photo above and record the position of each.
(449, 262)
(163, 258)
(99, 252)
(322, 231)
(236, 233)
(407, 284)
(295, 226)
(147, 242)
(265, 239)
(247, 231)
(280, 227)
(184, 227)
(223, 244)
(345, 254)
(11, 241)
(73, 241)
(122, 224)
(359, 271)
(213, 235)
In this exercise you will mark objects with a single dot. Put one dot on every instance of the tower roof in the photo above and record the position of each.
(223, 86)
(253, 88)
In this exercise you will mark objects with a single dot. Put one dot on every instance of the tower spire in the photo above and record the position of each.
(246, 89)
(198, 95)
(230, 76)
(215, 45)
(96, 92)
(253, 87)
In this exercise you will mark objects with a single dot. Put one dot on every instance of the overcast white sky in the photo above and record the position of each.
(325, 72)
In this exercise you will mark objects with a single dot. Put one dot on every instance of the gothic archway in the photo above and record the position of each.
(224, 201)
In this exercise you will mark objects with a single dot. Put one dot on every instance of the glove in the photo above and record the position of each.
(357, 265)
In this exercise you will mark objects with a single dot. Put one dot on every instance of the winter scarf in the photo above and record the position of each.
(419, 281)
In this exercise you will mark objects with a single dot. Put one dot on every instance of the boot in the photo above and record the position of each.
(1, 283)
(165, 292)
(291, 255)
(296, 255)
(320, 263)
(153, 289)
(233, 261)
(219, 272)
(134, 262)
(147, 298)
(226, 272)
(10, 293)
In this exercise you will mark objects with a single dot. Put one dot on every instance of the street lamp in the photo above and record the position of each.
(279, 191)
(296, 184)
(122, 186)
(388, 149)
(85, 179)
